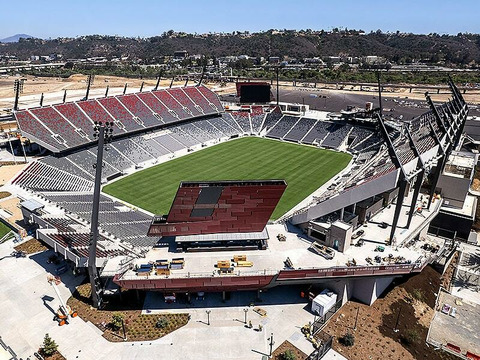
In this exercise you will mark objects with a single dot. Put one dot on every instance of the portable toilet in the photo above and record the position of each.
(324, 302)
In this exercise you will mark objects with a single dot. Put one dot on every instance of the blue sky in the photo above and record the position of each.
(53, 18)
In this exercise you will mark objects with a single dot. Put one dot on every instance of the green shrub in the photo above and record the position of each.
(348, 339)
(410, 336)
(117, 320)
(49, 346)
(289, 355)
(418, 294)
(162, 323)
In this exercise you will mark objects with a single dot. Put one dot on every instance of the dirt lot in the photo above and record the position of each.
(138, 327)
(31, 246)
(407, 307)
(7, 172)
(286, 345)
(34, 86)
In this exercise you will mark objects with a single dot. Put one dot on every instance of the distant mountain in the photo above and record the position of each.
(15, 38)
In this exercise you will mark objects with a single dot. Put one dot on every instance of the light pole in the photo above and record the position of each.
(102, 132)
(208, 316)
(124, 333)
(245, 311)
(271, 344)
(356, 319)
(395, 329)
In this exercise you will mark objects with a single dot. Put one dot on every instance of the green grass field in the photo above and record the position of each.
(304, 168)
(4, 229)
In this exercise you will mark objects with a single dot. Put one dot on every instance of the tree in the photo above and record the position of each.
(117, 320)
(49, 346)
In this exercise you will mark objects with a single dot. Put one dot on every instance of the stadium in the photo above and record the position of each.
(200, 195)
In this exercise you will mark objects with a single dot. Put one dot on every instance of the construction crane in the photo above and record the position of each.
(64, 311)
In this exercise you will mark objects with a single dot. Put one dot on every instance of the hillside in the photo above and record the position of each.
(458, 49)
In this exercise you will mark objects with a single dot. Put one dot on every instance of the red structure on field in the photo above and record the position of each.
(215, 207)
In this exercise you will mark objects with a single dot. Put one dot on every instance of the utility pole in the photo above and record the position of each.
(64, 96)
(106, 91)
(171, 82)
(41, 100)
(125, 89)
(102, 132)
(141, 86)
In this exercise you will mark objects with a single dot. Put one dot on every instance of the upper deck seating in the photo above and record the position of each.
(119, 112)
(185, 101)
(140, 110)
(157, 107)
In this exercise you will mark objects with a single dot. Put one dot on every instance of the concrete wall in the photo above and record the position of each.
(368, 290)
(340, 236)
(453, 189)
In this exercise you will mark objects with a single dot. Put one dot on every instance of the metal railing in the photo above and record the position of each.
(446, 349)
(295, 274)
(322, 349)
(190, 275)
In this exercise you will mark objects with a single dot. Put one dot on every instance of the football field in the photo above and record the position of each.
(305, 169)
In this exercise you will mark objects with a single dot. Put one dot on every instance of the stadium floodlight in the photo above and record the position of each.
(103, 132)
